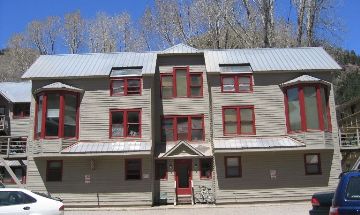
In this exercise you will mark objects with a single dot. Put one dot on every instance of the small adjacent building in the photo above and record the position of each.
(14, 129)
(124, 129)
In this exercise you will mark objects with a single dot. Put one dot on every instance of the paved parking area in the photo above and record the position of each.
(256, 209)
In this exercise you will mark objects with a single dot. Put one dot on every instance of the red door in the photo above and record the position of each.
(183, 176)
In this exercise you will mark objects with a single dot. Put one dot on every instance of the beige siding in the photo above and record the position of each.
(20, 127)
(255, 184)
(108, 186)
(95, 104)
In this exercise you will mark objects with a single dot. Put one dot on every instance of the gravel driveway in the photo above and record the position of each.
(268, 209)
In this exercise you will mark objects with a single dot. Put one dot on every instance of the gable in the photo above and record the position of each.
(183, 149)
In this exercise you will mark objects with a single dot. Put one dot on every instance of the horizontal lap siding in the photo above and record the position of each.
(108, 184)
(95, 104)
(20, 127)
(255, 184)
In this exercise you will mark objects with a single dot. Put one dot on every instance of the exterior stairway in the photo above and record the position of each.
(184, 199)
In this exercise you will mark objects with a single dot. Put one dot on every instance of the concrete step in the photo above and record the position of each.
(184, 199)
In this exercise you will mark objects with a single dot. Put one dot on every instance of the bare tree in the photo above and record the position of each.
(73, 31)
(35, 31)
(51, 32)
(300, 9)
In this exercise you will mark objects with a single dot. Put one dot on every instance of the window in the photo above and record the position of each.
(125, 86)
(353, 188)
(183, 128)
(236, 83)
(206, 168)
(160, 169)
(133, 169)
(232, 167)
(57, 115)
(307, 108)
(54, 170)
(2, 110)
(181, 83)
(125, 123)
(21, 110)
(239, 120)
(15, 198)
(312, 164)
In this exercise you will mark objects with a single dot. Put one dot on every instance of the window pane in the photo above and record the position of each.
(230, 121)
(246, 120)
(133, 123)
(70, 115)
(168, 130)
(312, 159)
(244, 83)
(312, 169)
(324, 102)
(133, 169)
(353, 188)
(167, 86)
(39, 116)
(232, 168)
(196, 123)
(167, 92)
(133, 86)
(52, 115)
(206, 168)
(182, 128)
(294, 109)
(229, 84)
(232, 161)
(195, 80)
(311, 110)
(181, 84)
(117, 123)
(195, 91)
(118, 87)
(167, 81)
(54, 171)
(197, 134)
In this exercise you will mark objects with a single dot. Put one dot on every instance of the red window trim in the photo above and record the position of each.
(238, 117)
(318, 164)
(126, 168)
(236, 83)
(188, 81)
(189, 118)
(61, 114)
(125, 79)
(157, 170)
(22, 114)
(125, 111)
(240, 167)
(47, 169)
(203, 177)
(319, 104)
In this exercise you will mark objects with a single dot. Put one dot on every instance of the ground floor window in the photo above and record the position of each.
(133, 169)
(232, 167)
(54, 170)
(312, 164)
(206, 168)
(160, 169)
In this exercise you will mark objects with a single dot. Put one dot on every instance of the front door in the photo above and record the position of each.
(183, 176)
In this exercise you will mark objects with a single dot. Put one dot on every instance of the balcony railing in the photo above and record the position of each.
(13, 146)
(349, 138)
(2, 122)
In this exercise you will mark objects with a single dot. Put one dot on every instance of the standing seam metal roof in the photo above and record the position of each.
(16, 92)
(261, 59)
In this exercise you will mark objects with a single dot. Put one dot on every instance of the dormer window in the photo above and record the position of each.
(125, 81)
(307, 105)
(236, 78)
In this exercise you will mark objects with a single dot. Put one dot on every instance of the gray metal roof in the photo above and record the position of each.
(88, 65)
(58, 86)
(99, 147)
(251, 142)
(272, 59)
(180, 49)
(16, 92)
(304, 79)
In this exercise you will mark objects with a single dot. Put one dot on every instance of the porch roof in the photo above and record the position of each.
(257, 143)
(304, 79)
(101, 147)
(58, 86)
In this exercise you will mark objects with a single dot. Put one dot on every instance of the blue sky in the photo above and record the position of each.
(15, 14)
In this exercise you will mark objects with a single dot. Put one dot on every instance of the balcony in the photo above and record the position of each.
(13, 147)
(2, 122)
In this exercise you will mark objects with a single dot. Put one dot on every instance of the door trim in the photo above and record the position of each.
(188, 190)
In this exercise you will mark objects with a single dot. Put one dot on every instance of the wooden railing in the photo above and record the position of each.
(175, 196)
(192, 193)
(12, 146)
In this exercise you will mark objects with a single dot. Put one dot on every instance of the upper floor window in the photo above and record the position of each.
(125, 123)
(181, 83)
(238, 120)
(57, 115)
(125, 86)
(183, 128)
(235, 83)
(307, 108)
(21, 110)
